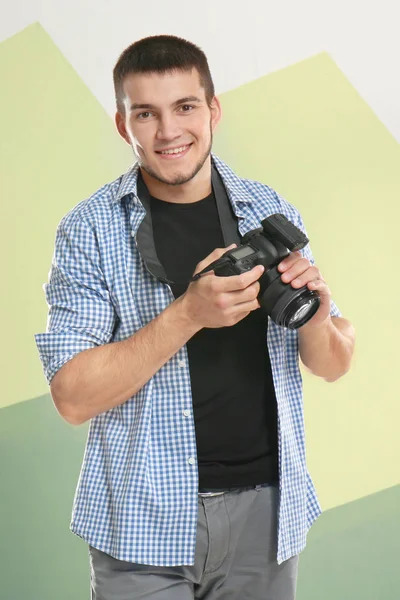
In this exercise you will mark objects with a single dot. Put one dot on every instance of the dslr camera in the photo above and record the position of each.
(268, 246)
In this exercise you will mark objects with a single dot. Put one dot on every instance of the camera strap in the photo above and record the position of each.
(144, 234)
(227, 218)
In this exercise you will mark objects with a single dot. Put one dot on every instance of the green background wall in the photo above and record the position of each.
(307, 133)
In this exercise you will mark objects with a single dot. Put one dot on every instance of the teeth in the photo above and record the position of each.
(176, 151)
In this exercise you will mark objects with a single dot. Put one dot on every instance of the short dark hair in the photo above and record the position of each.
(161, 54)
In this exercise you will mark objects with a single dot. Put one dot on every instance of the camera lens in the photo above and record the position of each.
(300, 314)
(288, 307)
(300, 310)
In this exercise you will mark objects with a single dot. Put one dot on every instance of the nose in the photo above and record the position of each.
(168, 128)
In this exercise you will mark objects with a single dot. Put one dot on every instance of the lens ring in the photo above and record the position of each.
(282, 302)
(289, 304)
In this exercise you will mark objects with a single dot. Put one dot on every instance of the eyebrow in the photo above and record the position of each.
(135, 106)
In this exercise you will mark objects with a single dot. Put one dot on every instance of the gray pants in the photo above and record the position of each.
(235, 557)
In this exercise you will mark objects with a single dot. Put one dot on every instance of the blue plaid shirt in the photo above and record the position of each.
(137, 493)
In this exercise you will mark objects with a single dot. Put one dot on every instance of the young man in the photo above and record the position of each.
(194, 482)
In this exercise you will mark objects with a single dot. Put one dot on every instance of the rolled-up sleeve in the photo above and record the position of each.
(81, 314)
(307, 253)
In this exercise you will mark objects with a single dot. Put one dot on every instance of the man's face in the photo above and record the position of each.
(165, 113)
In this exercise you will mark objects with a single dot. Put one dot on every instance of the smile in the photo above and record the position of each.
(174, 153)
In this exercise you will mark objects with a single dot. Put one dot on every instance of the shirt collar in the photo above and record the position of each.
(234, 185)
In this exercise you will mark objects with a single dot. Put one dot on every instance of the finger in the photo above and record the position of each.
(215, 255)
(287, 262)
(246, 306)
(238, 282)
(320, 286)
(247, 295)
(296, 269)
(303, 277)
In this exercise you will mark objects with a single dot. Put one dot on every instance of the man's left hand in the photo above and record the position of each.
(298, 271)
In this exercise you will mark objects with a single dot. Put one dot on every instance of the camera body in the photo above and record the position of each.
(268, 246)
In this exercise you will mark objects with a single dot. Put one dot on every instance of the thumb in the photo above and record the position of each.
(215, 255)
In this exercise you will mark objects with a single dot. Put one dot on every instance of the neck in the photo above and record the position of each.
(196, 189)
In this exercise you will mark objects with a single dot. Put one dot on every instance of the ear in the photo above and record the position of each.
(120, 124)
(216, 112)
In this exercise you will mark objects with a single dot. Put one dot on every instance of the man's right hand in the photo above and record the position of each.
(213, 301)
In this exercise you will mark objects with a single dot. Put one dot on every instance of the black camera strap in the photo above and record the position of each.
(227, 217)
(145, 238)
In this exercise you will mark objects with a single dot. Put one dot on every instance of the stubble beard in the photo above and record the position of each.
(179, 179)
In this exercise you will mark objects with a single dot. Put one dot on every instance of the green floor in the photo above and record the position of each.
(353, 551)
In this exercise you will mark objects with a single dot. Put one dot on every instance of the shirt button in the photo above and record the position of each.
(186, 413)
(181, 363)
(192, 461)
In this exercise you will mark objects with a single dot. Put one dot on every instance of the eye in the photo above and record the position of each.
(187, 106)
(144, 115)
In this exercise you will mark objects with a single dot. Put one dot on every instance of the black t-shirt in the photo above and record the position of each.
(234, 400)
